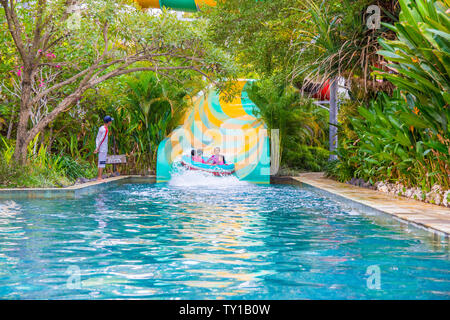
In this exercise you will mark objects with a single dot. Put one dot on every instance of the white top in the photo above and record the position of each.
(102, 139)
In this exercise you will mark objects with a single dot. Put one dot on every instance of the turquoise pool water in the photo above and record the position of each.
(193, 241)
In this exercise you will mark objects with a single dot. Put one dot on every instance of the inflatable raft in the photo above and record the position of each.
(217, 170)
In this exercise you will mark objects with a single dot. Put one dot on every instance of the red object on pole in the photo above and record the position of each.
(324, 92)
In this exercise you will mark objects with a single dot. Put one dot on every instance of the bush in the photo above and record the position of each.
(305, 157)
(42, 170)
(13, 175)
(74, 169)
(339, 170)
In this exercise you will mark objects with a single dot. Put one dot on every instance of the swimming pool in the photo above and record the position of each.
(188, 240)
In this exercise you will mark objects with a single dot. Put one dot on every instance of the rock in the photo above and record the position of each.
(409, 192)
(366, 184)
(399, 189)
(382, 187)
(81, 180)
(435, 196)
(391, 188)
(436, 188)
(446, 199)
(417, 194)
(60, 185)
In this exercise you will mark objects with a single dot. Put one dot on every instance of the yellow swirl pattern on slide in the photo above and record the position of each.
(231, 125)
(148, 3)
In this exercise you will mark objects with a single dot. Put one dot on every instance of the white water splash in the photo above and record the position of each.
(191, 178)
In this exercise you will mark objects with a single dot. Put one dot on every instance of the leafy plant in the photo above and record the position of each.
(155, 108)
(420, 61)
(389, 148)
(302, 124)
(76, 169)
(7, 152)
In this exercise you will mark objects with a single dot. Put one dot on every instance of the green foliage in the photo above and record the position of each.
(339, 170)
(421, 61)
(389, 148)
(77, 169)
(154, 108)
(302, 124)
(258, 34)
(7, 151)
(13, 175)
(298, 156)
(335, 41)
(405, 137)
(145, 107)
(42, 169)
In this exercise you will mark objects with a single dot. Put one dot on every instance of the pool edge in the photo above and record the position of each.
(72, 191)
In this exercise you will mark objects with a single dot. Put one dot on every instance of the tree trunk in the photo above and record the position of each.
(24, 136)
(20, 152)
(333, 118)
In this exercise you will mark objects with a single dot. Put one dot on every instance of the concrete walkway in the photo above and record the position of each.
(423, 214)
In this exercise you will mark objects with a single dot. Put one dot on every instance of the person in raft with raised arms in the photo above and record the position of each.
(102, 145)
(216, 158)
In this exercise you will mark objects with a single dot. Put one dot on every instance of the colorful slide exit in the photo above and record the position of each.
(181, 5)
(215, 121)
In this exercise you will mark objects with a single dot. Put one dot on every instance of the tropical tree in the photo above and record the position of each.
(419, 64)
(302, 125)
(338, 42)
(258, 34)
(92, 41)
(155, 108)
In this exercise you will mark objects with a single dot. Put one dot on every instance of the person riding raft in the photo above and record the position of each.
(216, 158)
(197, 156)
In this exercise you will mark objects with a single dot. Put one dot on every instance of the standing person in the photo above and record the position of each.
(102, 145)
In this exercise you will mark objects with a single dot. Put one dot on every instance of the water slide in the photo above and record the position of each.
(214, 121)
(181, 5)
